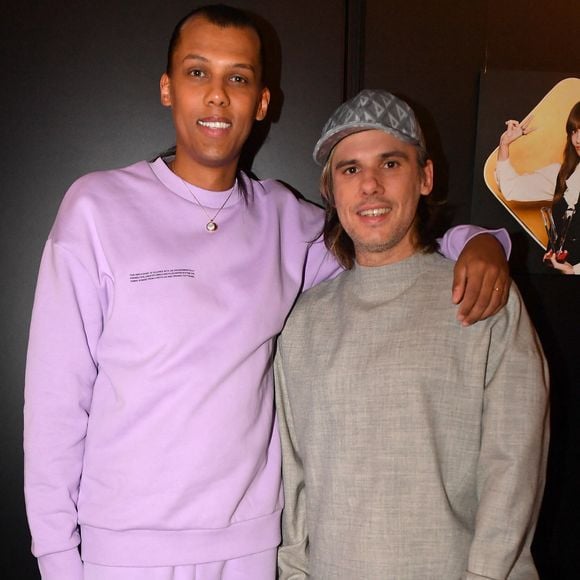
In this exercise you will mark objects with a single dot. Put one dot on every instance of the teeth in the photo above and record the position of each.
(375, 212)
(214, 124)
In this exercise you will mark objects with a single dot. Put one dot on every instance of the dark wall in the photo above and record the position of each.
(80, 92)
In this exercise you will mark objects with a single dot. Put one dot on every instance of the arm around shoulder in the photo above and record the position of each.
(456, 238)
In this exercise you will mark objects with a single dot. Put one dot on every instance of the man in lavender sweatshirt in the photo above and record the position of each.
(150, 430)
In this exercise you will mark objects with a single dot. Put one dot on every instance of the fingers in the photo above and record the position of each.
(459, 283)
(517, 128)
(511, 126)
(564, 267)
(526, 129)
(496, 298)
(480, 279)
(553, 262)
(485, 293)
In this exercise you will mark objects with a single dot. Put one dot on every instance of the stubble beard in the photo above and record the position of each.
(384, 246)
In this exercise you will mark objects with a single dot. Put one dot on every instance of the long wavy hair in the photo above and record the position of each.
(339, 242)
(571, 158)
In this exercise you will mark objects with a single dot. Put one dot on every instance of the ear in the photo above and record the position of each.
(263, 102)
(427, 178)
(165, 90)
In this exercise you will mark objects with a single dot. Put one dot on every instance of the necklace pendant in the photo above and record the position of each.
(211, 226)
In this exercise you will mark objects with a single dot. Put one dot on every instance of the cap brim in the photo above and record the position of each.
(328, 141)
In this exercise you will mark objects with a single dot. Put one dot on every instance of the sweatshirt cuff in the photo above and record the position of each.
(61, 566)
(452, 244)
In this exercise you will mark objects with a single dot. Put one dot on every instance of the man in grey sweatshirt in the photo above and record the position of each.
(414, 446)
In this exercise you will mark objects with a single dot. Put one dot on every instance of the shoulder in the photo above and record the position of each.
(429, 291)
(276, 193)
(434, 261)
(435, 270)
(435, 286)
(514, 311)
(99, 181)
(322, 293)
(100, 192)
(98, 186)
(430, 300)
(311, 306)
(296, 218)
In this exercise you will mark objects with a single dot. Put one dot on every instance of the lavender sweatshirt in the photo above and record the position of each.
(149, 415)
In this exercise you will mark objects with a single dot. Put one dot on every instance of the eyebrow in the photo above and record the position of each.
(397, 153)
(201, 58)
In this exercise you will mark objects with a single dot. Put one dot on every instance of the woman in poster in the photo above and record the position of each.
(556, 183)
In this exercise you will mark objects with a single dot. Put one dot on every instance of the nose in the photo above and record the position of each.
(370, 183)
(217, 94)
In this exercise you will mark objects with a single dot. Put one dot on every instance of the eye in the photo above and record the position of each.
(352, 170)
(239, 79)
(390, 164)
(196, 72)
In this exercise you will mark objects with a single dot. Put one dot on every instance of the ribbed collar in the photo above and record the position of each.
(388, 282)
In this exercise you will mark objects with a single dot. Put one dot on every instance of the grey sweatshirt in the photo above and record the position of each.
(413, 448)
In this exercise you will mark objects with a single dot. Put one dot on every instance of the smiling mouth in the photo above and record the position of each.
(214, 124)
(375, 212)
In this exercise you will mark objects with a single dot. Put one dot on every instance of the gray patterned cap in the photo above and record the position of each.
(370, 109)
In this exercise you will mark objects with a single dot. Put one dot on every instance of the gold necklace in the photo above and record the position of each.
(211, 225)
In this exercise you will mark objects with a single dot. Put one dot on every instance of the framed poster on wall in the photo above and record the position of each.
(530, 185)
